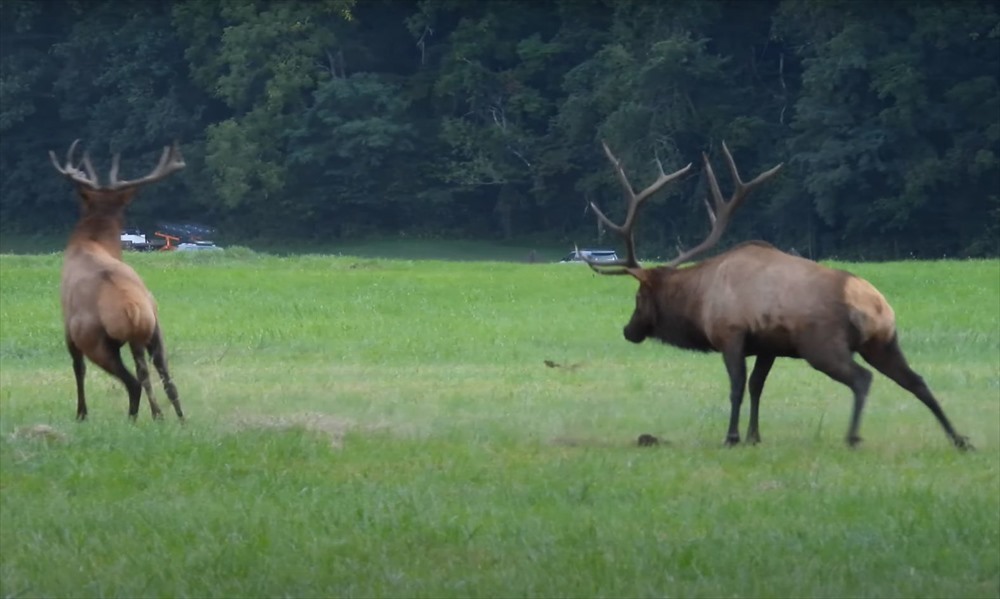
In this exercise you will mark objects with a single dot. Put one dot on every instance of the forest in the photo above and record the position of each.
(341, 119)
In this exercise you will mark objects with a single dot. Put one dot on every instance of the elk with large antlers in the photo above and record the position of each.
(105, 304)
(755, 300)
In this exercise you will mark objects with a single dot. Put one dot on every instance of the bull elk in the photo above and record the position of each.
(104, 302)
(755, 300)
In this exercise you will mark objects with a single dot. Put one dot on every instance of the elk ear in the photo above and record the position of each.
(640, 274)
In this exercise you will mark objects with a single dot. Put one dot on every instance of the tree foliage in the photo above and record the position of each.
(343, 118)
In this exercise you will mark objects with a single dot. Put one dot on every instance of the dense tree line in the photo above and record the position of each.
(341, 118)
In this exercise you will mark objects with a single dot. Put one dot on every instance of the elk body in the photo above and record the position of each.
(755, 300)
(104, 302)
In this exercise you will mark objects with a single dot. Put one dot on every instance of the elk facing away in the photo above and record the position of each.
(755, 300)
(105, 304)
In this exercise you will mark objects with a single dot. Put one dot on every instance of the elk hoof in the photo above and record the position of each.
(853, 441)
(732, 441)
(963, 444)
(647, 440)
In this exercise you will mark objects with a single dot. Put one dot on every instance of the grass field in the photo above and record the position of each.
(370, 427)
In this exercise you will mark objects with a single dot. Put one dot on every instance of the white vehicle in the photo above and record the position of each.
(134, 239)
(593, 254)
(189, 246)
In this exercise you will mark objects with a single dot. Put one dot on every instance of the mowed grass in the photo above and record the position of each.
(373, 427)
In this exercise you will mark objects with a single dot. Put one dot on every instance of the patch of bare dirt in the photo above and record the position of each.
(567, 367)
(645, 440)
(38, 431)
(332, 427)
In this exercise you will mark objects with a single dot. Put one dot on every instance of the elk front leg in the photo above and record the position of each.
(736, 365)
(79, 372)
(761, 368)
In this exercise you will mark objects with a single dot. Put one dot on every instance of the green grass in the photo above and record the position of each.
(373, 427)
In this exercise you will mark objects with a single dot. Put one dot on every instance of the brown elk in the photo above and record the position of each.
(755, 300)
(105, 304)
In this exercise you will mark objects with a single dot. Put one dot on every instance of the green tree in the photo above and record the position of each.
(262, 60)
(896, 132)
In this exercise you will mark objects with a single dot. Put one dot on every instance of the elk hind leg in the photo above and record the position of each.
(79, 372)
(888, 359)
(736, 366)
(107, 355)
(761, 368)
(159, 355)
(142, 372)
(837, 362)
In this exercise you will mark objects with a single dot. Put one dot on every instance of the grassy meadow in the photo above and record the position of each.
(374, 427)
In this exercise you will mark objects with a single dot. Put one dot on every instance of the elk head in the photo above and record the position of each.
(648, 314)
(110, 200)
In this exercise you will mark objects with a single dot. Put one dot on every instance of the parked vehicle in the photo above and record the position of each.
(594, 255)
(135, 240)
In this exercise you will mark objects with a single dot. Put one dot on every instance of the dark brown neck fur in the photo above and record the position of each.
(678, 304)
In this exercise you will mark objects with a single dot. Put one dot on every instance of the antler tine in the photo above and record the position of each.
(170, 162)
(723, 210)
(708, 208)
(115, 164)
(634, 202)
(73, 173)
(90, 169)
(616, 267)
(70, 152)
(713, 186)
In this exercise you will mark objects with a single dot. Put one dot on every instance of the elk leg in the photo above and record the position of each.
(79, 372)
(107, 355)
(159, 356)
(761, 368)
(890, 361)
(142, 373)
(841, 367)
(736, 365)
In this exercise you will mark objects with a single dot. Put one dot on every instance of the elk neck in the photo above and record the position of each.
(679, 299)
(101, 228)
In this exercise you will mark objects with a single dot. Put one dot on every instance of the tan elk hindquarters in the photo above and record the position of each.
(870, 314)
(105, 303)
(125, 309)
(755, 300)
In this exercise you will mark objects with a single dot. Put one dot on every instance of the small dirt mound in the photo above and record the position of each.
(647, 440)
(38, 431)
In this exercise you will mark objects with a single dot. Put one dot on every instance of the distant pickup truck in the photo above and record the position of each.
(135, 240)
(593, 254)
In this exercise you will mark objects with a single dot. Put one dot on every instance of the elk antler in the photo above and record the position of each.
(722, 211)
(618, 267)
(170, 161)
(73, 173)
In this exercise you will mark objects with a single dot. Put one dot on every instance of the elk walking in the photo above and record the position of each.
(755, 300)
(104, 302)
